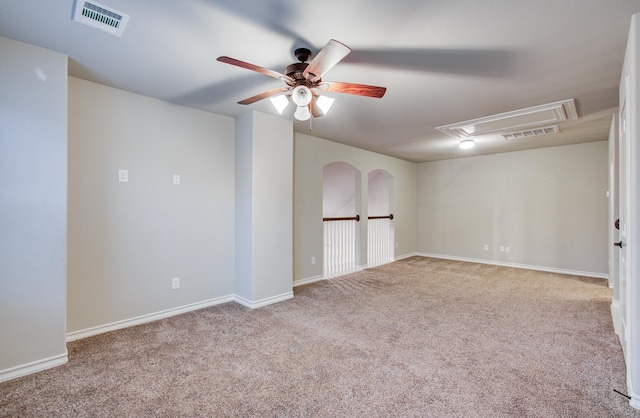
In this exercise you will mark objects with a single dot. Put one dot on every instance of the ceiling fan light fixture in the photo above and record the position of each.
(324, 103)
(280, 103)
(302, 113)
(466, 144)
(301, 96)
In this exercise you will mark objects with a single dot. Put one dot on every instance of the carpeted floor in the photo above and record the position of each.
(419, 337)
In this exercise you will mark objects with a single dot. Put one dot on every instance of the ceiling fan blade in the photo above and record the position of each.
(263, 95)
(473, 62)
(353, 88)
(332, 53)
(261, 70)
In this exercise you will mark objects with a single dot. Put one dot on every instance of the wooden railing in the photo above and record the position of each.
(354, 218)
(390, 216)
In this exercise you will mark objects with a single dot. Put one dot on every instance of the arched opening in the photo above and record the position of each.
(380, 227)
(340, 211)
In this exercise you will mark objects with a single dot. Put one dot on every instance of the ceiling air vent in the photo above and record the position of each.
(549, 130)
(99, 16)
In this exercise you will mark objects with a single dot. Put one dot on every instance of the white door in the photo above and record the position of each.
(625, 141)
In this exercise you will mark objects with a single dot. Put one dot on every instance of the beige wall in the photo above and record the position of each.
(310, 155)
(128, 240)
(547, 205)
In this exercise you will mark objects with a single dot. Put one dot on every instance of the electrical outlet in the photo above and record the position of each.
(396, 245)
(313, 260)
(175, 283)
(486, 247)
(502, 248)
(176, 179)
(123, 176)
(507, 249)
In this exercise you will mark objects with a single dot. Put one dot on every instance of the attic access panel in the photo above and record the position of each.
(517, 120)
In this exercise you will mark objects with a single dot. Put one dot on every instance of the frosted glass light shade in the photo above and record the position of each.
(324, 103)
(301, 95)
(280, 103)
(467, 144)
(302, 113)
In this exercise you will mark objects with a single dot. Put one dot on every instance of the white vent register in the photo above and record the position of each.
(99, 16)
(549, 130)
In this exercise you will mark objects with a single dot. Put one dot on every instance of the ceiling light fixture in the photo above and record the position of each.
(301, 96)
(466, 144)
(280, 103)
(324, 103)
(302, 113)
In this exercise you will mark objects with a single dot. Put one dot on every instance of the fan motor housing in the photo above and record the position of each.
(302, 54)
(295, 71)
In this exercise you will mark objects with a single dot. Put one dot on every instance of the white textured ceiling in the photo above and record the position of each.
(442, 61)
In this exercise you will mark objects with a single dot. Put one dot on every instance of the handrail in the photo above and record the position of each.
(381, 217)
(354, 218)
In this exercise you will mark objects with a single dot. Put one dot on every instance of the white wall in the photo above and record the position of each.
(547, 205)
(33, 208)
(128, 240)
(311, 154)
(264, 189)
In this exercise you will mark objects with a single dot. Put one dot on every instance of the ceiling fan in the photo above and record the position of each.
(304, 81)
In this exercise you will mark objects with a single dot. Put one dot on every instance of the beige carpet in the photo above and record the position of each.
(417, 338)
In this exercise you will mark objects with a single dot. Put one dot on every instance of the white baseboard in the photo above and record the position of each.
(308, 280)
(519, 266)
(634, 401)
(380, 264)
(262, 302)
(39, 365)
(88, 332)
(615, 316)
(344, 273)
(33, 367)
(402, 257)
